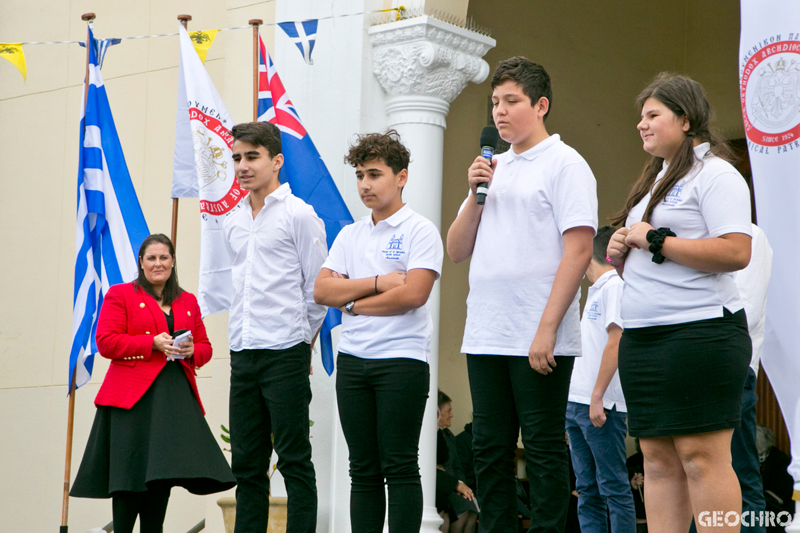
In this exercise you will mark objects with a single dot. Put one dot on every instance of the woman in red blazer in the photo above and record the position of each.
(149, 433)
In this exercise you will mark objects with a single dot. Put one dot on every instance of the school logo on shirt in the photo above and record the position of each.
(673, 197)
(593, 313)
(394, 250)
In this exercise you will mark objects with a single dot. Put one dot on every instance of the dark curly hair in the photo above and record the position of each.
(385, 146)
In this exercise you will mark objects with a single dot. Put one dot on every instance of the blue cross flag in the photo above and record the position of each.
(101, 46)
(303, 34)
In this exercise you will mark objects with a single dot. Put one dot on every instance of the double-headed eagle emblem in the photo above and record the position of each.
(209, 159)
(777, 95)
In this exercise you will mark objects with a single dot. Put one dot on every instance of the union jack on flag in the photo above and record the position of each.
(304, 170)
(273, 102)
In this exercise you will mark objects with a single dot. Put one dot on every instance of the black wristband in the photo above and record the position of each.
(376, 283)
(656, 239)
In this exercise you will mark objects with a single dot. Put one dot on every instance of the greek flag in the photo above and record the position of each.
(101, 46)
(303, 35)
(110, 223)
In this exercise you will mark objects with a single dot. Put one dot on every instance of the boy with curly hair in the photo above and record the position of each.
(380, 272)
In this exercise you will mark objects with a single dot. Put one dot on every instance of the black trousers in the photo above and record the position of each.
(508, 395)
(381, 405)
(270, 394)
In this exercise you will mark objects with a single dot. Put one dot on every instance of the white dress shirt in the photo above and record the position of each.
(275, 258)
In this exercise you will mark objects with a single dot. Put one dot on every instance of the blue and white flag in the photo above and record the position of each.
(305, 171)
(101, 46)
(110, 224)
(303, 35)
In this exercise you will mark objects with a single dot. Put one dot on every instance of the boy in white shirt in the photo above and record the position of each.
(380, 272)
(596, 410)
(530, 245)
(277, 245)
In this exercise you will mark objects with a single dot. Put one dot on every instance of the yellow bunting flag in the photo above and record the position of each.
(13, 52)
(202, 41)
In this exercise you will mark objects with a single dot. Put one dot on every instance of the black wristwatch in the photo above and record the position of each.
(348, 308)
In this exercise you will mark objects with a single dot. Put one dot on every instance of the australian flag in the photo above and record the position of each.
(305, 172)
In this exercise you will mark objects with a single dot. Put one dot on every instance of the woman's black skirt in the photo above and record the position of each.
(163, 438)
(685, 378)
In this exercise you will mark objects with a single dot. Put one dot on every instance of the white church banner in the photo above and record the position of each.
(769, 76)
(203, 167)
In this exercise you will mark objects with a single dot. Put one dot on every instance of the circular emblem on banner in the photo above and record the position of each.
(219, 190)
(770, 93)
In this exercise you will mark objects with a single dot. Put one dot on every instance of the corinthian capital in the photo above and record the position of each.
(423, 56)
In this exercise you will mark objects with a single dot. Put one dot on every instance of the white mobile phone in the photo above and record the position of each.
(183, 337)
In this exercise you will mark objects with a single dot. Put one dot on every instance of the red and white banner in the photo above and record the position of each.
(203, 168)
(769, 77)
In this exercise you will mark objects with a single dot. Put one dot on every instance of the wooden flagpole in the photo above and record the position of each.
(255, 23)
(88, 18)
(184, 19)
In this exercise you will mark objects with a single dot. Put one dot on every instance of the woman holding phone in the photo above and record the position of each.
(685, 350)
(149, 433)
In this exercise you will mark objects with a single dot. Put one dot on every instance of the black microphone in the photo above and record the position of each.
(489, 138)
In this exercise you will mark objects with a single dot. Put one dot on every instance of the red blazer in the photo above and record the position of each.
(129, 319)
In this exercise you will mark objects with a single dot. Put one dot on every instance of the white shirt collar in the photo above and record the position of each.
(394, 220)
(700, 152)
(279, 194)
(532, 153)
(701, 149)
(602, 280)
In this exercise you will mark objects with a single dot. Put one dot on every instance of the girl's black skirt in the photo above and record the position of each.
(686, 378)
(163, 438)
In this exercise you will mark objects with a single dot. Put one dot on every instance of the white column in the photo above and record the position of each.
(423, 64)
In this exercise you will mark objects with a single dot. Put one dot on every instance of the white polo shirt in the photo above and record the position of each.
(601, 310)
(534, 198)
(404, 241)
(710, 201)
(752, 283)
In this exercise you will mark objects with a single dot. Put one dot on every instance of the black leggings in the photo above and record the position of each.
(149, 506)
(381, 404)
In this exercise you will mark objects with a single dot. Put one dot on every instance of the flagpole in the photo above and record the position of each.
(255, 23)
(184, 19)
(89, 19)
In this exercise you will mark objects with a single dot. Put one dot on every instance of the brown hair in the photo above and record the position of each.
(171, 288)
(385, 146)
(264, 134)
(684, 97)
(532, 77)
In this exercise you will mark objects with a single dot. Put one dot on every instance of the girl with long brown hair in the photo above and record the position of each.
(685, 350)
